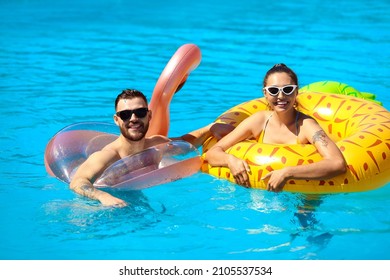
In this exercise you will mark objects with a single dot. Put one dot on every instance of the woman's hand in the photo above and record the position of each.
(277, 179)
(240, 169)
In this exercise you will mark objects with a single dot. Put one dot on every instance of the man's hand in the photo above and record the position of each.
(108, 200)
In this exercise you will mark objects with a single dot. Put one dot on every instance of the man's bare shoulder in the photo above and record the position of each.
(155, 140)
(109, 153)
(106, 155)
(95, 164)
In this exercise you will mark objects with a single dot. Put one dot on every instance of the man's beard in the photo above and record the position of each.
(135, 135)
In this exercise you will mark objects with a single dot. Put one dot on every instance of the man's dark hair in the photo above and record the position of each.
(130, 94)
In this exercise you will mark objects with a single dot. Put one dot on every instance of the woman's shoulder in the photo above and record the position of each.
(261, 116)
(308, 125)
(254, 121)
(263, 113)
(306, 119)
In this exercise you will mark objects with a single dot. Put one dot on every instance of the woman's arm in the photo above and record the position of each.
(331, 165)
(217, 156)
(196, 137)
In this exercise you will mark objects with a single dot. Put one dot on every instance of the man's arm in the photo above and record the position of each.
(82, 182)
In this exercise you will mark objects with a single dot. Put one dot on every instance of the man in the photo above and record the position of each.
(133, 117)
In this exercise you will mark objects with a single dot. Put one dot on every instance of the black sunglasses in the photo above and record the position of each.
(287, 90)
(126, 114)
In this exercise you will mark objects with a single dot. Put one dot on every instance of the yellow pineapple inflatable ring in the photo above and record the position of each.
(360, 128)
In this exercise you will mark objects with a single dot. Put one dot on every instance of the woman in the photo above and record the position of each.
(282, 124)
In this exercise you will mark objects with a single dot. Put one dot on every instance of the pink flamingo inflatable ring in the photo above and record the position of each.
(159, 164)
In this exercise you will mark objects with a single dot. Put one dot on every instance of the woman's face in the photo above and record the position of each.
(280, 100)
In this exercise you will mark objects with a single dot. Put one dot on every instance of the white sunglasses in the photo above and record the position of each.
(287, 90)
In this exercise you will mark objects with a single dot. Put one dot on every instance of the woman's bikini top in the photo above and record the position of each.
(261, 137)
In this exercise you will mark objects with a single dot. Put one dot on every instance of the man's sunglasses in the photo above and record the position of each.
(126, 114)
(287, 90)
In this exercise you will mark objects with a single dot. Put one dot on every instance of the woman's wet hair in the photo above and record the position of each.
(281, 68)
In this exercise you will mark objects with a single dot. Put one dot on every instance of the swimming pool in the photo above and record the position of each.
(62, 63)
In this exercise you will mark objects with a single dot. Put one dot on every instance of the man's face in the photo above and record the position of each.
(133, 125)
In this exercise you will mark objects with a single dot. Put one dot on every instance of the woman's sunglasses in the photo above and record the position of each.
(126, 114)
(287, 90)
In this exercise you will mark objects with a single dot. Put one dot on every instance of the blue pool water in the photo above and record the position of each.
(63, 62)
